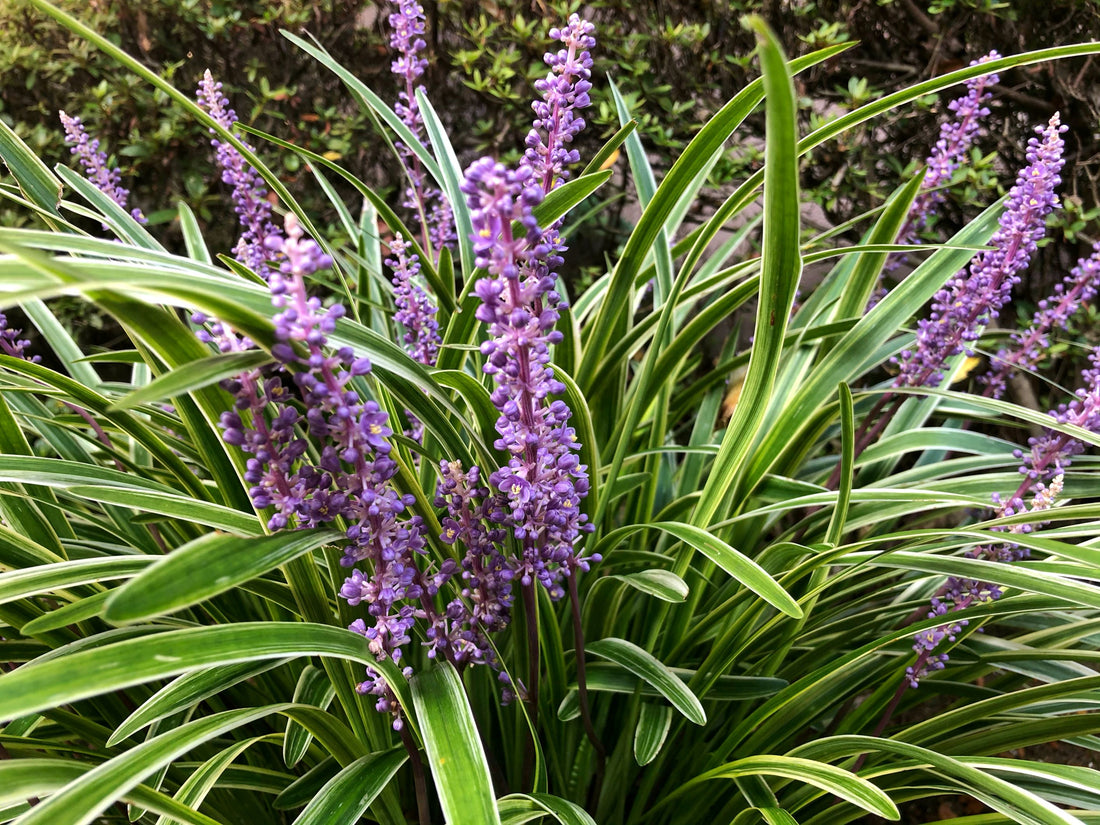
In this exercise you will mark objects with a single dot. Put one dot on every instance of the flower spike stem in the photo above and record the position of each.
(887, 715)
(531, 616)
(419, 782)
(582, 690)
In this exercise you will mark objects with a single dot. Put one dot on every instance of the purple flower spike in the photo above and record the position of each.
(1051, 453)
(11, 343)
(1029, 346)
(956, 137)
(968, 302)
(407, 41)
(249, 192)
(311, 391)
(415, 310)
(486, 596)
(97, 169)
(1047, 459)
(543, 483)
(563, 91)
(960, 593)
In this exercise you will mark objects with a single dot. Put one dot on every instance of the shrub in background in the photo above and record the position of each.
(674, 63)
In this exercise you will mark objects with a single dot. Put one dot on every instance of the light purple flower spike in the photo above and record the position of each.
(969, 301)
(248, 188)
(415, 310)
(1052, 452)
(407, 41)
(957, 135)
(1029, 346)
(543, 482)
(1047, 460)
(97, 169)
(564, 90)
(486, 597)
(960, 593)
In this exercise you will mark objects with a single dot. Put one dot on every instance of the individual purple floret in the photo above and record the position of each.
(97, 169)
(543, 482)
(407, 41)
(968, 302)
(415, 310)
(956, 137)
(12, 344)
(1029, 346)
(249, 192)
(564, 90)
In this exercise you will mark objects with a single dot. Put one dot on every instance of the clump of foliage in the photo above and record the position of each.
(387, 525)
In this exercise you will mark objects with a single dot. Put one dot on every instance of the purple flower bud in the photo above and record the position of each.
(11, 343)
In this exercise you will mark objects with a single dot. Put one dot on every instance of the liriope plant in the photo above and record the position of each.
(460, 546)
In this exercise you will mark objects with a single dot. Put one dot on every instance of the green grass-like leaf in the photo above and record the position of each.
(207, 566)
(649, 669)
(455, 756)
(781, 268)
(348, 795)
(743, 569)
(844, 784)
(33, 176)
(201, 373)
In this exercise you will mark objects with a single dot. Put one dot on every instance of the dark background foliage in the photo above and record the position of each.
(675, 61)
